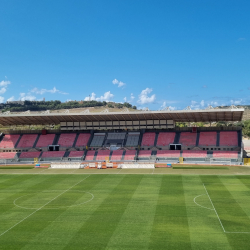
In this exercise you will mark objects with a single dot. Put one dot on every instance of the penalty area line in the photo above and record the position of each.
(42, 207)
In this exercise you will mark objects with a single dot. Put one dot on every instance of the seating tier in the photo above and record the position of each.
(225, 154)
(27, 141)
(45, 140)
(165, 138)
(229, 138)
(102, 154)
(129, 155)
(76, 154)
(188, 139)
(30, 154)
(194, 154)
(48, 154)
(90, 155)
(168, 153)
(82, 140)
(67, 140)
(208, 138)
(148, 139)
(9, 141)
(144, 153)
(7, 155)
(117, 155)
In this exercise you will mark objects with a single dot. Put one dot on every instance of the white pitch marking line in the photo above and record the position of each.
(41, 207)
(199, 204)
(119, 171)
(214, 209)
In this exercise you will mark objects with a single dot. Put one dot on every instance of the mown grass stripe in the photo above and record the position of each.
(134, 228)
(96, 232)
(170, 229)
(60, 231)
(28, 229)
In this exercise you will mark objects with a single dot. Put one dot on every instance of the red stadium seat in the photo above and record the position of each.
(228, 138)
(67, 140)
(168, 153)
(225, 154)
(117, 155)
(7, 155)
(148, 139)
(27, 141)
(48, 154)
(208, 138)
(82, 140)
(76, 153)
(9, 141)
(90, 155)
(45, 140)
(194, 154)
(30, 154)
(102, 154)
(188, 139)
(144, 153)
(129, 155)
(165, 138)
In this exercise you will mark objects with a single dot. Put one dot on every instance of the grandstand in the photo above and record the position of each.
(122, 137)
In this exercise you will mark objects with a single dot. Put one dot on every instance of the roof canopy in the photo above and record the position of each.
(213, 115)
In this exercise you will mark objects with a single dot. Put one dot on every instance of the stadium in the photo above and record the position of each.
(124, 180)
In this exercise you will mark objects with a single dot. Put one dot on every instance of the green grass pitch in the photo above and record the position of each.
(124, 211)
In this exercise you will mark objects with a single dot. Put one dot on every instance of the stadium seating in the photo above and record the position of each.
(7, 155)
(225, 154)
(102, 154)
(97, 140)
(129, 155)
(228, 138)
(165, 138)
(45, 140)
(148, 139)
(116, 155)
(76, 153)
(67, 140)
(208, 138)
(194, 154)
(188, 139)
(27, 141)
(168, 153)
(82, 140)
(144, 153)
(90, 155)
(133, 139)
(48, 154)
(30, 154)
(9, 141)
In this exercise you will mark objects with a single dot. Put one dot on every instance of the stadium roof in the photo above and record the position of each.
(212, 115)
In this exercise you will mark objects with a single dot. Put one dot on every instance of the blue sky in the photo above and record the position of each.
(151, 53)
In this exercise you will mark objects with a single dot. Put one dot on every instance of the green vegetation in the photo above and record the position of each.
(16, 167)
(121, 211)
(56, 105)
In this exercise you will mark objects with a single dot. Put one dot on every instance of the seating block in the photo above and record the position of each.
(144, 153)
(48, 154)
(102, 154)
(7, 155)
(129, 155)
(82, 140)
(9, 141)
(117, 155)
(30, 154)
(148, 139)
(45, 140)
(168, 153)
(229, 138)
(67, 140)
(208, 138)
(225, 154)
(165, 138)
(188, 139)
(27, 141)
(76, 153)
(194, 154)
(90, 155)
